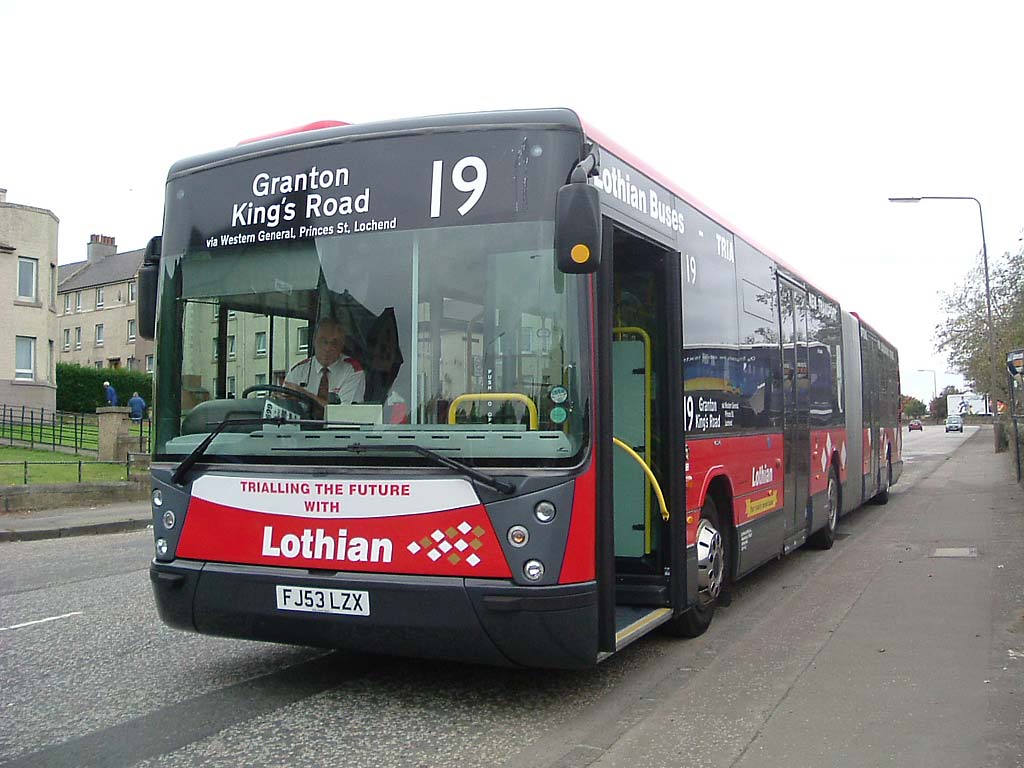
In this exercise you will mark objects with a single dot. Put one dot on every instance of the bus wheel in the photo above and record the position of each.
(825, 538)
(712, 573)
(883, 495)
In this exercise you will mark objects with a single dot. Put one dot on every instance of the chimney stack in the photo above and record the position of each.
(100, 246)
(3, 195)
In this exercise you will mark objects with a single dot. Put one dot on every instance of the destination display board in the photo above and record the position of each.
(370, 185)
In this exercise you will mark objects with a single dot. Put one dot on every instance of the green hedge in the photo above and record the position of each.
(80, 389)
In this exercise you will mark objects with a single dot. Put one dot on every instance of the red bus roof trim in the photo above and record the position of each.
(315, 126)
(640, 165)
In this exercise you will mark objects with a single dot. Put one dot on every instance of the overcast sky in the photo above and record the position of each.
(794, 121)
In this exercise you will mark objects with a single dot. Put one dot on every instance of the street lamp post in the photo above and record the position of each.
(935, 381)
(988, 297)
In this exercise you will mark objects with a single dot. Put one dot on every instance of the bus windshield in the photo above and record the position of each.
(465, 340)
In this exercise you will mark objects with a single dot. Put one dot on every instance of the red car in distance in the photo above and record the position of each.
(915, 424)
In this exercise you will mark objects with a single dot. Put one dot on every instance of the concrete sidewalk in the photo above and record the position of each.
(30, 525)
(908, 649)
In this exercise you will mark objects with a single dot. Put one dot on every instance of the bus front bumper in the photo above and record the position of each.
(484, 621)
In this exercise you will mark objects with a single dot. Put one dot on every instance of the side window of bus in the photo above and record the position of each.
(824, 332)
(758, 318)
(720, 376)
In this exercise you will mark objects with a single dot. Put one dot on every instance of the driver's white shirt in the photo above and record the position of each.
(345, 377)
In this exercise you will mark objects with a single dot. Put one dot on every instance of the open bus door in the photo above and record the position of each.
(642, 572)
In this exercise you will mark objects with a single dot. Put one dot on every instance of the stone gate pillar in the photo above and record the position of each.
(114, 435)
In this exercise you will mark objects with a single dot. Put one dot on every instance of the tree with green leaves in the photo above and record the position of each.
(912, 407)
(963, 334)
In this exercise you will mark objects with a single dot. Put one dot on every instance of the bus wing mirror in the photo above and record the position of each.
(578, 228)
(149, 277)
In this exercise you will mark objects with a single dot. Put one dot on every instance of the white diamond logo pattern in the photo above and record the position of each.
(445, 543)
(842, 455)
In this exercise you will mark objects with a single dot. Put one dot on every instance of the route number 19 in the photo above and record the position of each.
(474, 185)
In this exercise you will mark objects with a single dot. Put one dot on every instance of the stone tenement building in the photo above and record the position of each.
(28, 306)
(97, 301)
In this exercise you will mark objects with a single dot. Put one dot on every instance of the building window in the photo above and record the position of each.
(303, 338)
(78, 337)
(78, 301)
(67, 339)
(99, 298)
(231, 386)
(99, 363)
(261, 378)
(231, 346)
(279, 378)
(261, 343)
(149, 363)
(27, 274)
(131, 291)
(53, 285)
(67, 303)
(99, 334)
(131, 363)
(49, 362)
(131, 330)
(25, 358)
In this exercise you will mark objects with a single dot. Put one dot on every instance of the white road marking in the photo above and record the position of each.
(40, 621)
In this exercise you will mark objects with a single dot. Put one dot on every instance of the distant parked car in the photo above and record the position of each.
(915, 424)
(954, 424)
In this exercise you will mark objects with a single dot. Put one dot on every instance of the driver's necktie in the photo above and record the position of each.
(325, 385)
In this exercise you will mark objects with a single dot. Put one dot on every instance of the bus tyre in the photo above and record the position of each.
(826, 537)
(712, 575)
(883, 495)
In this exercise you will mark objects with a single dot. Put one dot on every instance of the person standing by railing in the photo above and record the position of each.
(110, 393)
(136, 407)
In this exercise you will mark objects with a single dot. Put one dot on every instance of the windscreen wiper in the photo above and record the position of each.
(197, 453)
(481, 477)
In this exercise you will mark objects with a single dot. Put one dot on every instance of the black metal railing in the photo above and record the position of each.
(81, 471)
(45, 428)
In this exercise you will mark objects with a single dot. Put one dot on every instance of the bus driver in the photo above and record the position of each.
(328, 375)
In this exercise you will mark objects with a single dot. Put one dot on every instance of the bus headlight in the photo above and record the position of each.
(168, 519)
(544, 511)
(158, 497)
(533, 570)
(518, 536)
(161, 547)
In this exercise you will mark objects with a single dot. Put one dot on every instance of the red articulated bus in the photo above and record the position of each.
(483, 387)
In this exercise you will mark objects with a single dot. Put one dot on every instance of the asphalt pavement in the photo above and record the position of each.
(904, 645)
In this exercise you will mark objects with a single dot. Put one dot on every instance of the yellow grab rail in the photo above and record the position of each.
(531, 407)
(650, 476)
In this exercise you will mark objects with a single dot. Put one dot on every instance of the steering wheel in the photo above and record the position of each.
(296, 394)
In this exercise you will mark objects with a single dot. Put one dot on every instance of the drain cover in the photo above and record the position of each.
(955, 552)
